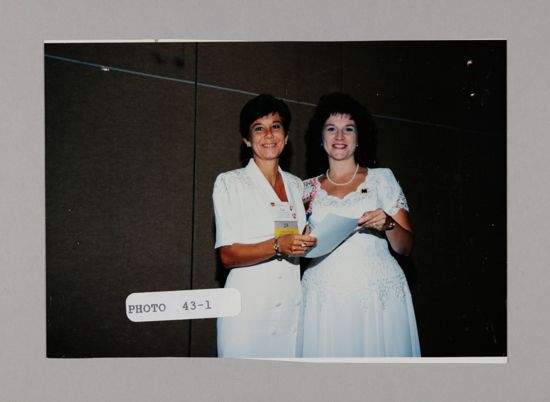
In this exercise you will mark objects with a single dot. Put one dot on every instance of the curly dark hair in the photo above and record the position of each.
(340, 103)
(260, 106)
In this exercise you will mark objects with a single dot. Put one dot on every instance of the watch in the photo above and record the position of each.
(278, 254)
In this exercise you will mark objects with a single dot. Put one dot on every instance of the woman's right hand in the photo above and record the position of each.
(296, 245)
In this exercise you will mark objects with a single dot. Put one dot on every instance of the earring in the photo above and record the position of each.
(248, 145)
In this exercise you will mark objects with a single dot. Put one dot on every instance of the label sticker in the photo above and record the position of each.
(183, 304)
(284, 228)
(283, 211)
(284, 217)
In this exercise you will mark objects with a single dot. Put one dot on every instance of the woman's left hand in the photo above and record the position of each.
(377, 220)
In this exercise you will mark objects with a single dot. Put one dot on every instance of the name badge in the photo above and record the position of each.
(284, 217)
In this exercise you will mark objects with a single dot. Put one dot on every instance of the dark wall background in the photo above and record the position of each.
(136, 134)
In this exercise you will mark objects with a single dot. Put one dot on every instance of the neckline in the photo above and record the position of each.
(363, 182)
(265, 183)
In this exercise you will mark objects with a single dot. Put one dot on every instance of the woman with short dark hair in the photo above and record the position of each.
(259, 221)
(356, 300)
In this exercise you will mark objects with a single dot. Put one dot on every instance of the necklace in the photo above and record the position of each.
(343, 184)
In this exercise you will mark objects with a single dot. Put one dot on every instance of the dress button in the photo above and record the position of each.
(274, 332)
(279, 276)
(293, 330)
(278, 304)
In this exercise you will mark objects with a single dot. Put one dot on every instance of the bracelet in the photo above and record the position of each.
(391, 225)
(278, 254)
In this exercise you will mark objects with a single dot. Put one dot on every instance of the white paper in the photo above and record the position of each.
(332, 231)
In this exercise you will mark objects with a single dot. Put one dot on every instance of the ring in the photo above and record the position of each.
(303, 245)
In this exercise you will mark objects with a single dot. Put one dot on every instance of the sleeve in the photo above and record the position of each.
(300, 191)
(391, 194)
(310, 188)
(226, 212)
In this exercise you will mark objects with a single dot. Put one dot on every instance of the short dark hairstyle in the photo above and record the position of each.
(260, 106)
(340, 103)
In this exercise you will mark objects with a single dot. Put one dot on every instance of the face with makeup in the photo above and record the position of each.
(267, 137)
(340, 137)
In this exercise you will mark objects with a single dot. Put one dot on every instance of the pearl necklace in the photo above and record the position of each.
(343, 184)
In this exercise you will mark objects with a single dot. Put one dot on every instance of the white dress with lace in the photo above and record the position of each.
(356, 300)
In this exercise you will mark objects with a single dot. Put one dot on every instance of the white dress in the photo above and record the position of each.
(270, 291)
(356, 301)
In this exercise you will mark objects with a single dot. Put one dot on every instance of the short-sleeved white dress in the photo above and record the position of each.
(356, 300)
(270, 291)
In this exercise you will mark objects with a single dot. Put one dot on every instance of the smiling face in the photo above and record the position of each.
(340, 136)
(267, 137)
